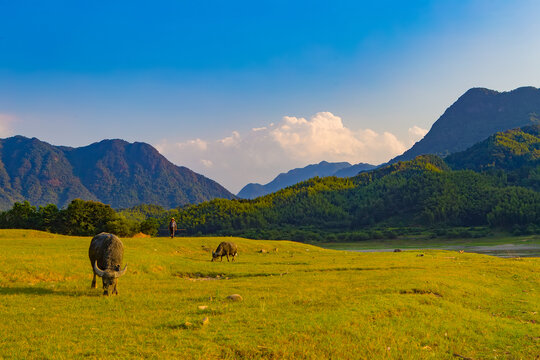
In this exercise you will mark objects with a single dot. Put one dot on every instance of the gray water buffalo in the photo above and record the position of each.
(225, 249)
(106, 253)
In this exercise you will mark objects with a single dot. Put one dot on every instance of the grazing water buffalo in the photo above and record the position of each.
(225, 249)
(106, 253)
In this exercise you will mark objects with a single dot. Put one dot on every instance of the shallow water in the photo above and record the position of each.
(504, 251)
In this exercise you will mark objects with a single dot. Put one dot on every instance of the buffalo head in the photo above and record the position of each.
(109, 277)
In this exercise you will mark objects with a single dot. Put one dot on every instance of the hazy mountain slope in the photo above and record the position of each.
(292, 177)
(354, 170)
(474, 116)
(114, 172)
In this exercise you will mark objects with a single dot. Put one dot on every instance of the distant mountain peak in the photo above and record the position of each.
(477, 114)
(294, 176)
(112, 171)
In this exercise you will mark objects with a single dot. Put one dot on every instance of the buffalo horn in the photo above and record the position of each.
(117, 274)
(97, 270)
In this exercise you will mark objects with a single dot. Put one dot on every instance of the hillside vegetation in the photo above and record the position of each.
(299, 302)
(322, 169)
(516, 152)
(423, 192)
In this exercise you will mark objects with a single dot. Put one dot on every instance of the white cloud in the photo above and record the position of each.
(416, 134)
(262, 153)
(324, 137)
(232, 140)
(207, 163)
(5, 125)
(196, 144)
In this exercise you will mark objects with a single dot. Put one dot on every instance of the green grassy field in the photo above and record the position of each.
(298, 302)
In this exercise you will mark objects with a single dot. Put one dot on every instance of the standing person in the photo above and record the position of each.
(172, 227)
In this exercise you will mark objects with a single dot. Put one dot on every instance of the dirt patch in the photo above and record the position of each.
(141, 235)
(420, 291)
(201, 277)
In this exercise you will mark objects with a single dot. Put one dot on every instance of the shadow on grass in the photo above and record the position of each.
(185, 326)
(361, 269)
(39, 291)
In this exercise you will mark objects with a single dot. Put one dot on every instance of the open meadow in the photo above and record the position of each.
(299, 301)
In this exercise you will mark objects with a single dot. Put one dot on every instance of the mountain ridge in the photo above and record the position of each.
(294, 176)
(112, 171)
(423, 192)
(474, 116)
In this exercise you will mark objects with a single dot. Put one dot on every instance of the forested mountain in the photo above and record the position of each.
(476, 115)
(515, 153)
(38, 172)
(508, 150)
(322, 169)
(424, 193)
(114, 172)
(502, 192)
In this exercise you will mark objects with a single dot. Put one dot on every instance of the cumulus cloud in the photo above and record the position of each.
(416, 134)
(262, 153)
(5, 125)
(325, 137)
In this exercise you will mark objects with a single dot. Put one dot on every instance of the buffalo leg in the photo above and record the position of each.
(94, 282)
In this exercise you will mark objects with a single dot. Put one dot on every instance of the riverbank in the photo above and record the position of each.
(501, 246)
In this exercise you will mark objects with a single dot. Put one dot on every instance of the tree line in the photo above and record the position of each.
(420, 194)
(80, 217)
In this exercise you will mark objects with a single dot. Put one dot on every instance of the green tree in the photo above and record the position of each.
(21, 216)
(122, 227)
(87, 217)
(50, 218)
(150, 226)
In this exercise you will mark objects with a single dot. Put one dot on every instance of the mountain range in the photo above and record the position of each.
(114, 172)
(477, 114)
(322, 169)
(494, 183)
(126, 174)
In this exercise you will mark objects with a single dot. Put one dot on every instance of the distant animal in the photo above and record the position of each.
(106, 253)
(225, 249)
(397, 250)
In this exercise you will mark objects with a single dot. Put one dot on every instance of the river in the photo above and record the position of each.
(504, 250)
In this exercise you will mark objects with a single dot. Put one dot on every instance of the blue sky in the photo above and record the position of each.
(240, 91)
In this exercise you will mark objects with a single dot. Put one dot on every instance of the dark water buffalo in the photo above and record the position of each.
(225, 249)
(106, 253)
